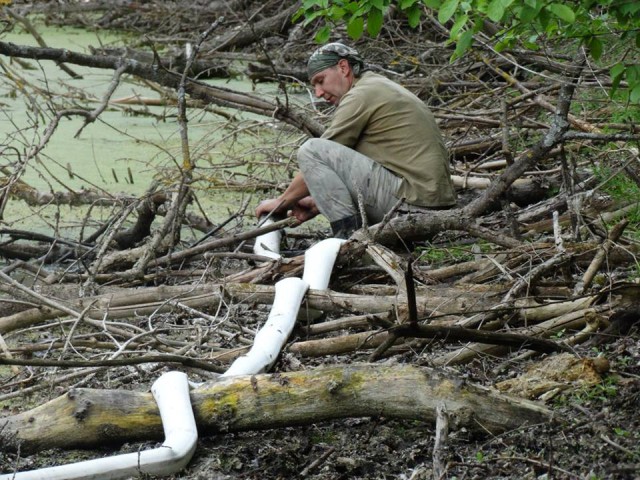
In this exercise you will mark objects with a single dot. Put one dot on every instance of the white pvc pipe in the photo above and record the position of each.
(268, 342)
(318, 262)
(171, 392)
(274, 334)
(268, 244)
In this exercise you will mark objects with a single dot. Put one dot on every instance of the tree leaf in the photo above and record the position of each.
(355, 27)
(307, 4)
(296, 16)
(353, 8)
(463, 44)
(312, 16)
(617, 70)
(447, 10)
(633, 74)
(497, 8)
(562, 11)
(374, 22)
(629, 8)
(595, 47)
(336, 13)
(413, 16)
(458, 24)
(404, 4)
(527, 14)
(616, 73)
(322, 36)
(544, 18)
(505, 42)
(634, 96)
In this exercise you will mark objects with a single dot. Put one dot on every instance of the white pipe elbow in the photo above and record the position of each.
(171, 392)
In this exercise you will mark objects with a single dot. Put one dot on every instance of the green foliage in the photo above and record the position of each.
(323, 435)
(617, 184)
(621, 188)
(621, 432)
(520, 23)
(600, 392)
(355, 14)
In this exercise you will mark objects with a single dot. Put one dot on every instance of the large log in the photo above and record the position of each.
(89, 418)
(150, 300)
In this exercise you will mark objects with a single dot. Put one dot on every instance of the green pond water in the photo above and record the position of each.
(124, 151)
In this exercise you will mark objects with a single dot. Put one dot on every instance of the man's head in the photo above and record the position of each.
(332, 69)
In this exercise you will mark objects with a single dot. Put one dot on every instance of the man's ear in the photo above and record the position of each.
(344, 66)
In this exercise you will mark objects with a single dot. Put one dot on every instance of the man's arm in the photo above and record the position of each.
(297, 190)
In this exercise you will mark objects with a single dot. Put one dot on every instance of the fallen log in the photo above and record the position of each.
(220, 96)
(374, 338)
(145, 301)
(89, 418)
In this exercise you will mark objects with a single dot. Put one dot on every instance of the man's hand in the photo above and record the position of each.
(295, 198)
(267, 206)
(305, 209)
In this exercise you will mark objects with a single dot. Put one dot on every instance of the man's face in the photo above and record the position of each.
(333, 82)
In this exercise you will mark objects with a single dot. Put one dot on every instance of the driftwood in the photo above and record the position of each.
(161, 299)
(250, 33)
(220, 96)
(572, 321)
(89, 418)
(198, 69)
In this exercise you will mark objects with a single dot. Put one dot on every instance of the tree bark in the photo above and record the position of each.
(89, 418)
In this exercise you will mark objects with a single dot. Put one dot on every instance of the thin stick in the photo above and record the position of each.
(439, 448)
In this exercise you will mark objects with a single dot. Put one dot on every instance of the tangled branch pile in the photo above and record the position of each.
(534, 260)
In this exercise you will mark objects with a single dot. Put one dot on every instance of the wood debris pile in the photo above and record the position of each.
(533, 261)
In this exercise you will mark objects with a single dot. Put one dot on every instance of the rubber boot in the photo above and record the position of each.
(344, 227)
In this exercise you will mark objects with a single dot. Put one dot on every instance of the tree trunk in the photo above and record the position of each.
(90, 418)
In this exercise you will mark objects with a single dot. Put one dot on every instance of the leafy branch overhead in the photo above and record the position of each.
(502, 25)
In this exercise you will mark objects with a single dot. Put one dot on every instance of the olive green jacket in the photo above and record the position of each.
(384, 121)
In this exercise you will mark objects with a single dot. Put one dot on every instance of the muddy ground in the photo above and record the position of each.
(596, 435)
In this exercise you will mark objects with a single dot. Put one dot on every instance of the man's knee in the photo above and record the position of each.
(310, 152)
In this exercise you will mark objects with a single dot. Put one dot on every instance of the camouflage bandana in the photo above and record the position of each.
(330, 54)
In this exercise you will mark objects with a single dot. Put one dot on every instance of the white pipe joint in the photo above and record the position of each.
(171, 392)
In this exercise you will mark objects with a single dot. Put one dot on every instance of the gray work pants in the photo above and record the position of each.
(336, 175)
